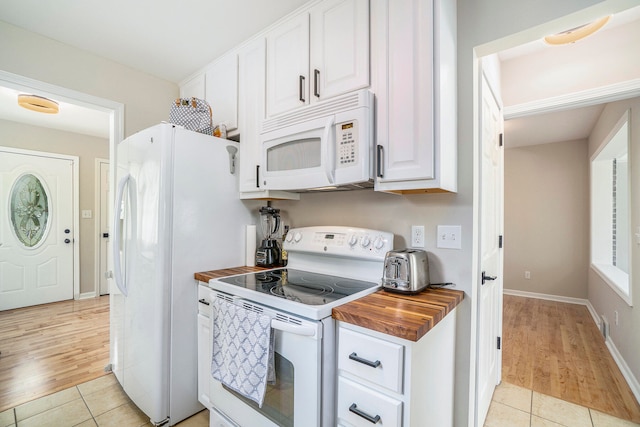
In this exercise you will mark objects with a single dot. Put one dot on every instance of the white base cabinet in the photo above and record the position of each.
(414, 78)
(395, 382)
(204, 350)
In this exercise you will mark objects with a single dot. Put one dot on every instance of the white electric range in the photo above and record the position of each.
(328, 266)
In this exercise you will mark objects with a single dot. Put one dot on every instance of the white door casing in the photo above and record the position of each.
(491, 220)
(41, 269)
(102, 226)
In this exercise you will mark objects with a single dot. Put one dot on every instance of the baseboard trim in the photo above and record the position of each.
(634, 385)
(87, 295)
(624, 368)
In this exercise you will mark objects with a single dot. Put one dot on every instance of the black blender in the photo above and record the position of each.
(268, 254)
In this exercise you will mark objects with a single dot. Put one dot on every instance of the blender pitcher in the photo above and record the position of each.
(268, 254)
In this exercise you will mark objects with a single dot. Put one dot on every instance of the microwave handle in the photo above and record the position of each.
(257, 176)
(380, 170)
(330, 165)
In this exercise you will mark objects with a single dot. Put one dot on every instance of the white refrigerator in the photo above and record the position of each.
(177, 212)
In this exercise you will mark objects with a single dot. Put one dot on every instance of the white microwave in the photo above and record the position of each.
(324, 146)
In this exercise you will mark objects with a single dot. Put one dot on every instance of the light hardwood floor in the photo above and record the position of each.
(549, 347)
(556, 349)
(51, 347)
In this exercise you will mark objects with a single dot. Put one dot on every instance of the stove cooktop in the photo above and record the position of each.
(312, 295)
(300, 286)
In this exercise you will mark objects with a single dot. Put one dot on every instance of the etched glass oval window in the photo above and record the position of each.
(29, 205)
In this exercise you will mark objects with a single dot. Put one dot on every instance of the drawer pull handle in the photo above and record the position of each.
(354, 356)
(203, 301)
(374, 420)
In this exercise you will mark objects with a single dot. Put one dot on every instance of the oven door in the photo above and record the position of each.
(295, 398)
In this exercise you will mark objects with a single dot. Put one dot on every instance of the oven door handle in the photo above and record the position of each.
(294, 329)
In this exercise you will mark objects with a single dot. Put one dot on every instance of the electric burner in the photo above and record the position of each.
(301, 286)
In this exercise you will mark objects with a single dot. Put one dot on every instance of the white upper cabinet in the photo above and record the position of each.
(318, 54)
(251, 59)
(288, 65)
(194, 88)
(339, 53)
(221, 91)
(414, 78)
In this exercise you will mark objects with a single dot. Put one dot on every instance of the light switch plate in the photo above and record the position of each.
(449, 237)
(86, 214)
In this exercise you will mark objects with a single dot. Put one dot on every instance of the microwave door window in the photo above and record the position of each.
(300, 154)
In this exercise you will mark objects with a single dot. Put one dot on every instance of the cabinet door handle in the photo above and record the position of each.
(257, 176)
(301, 88)
(203, 301)
(373, 420)
(354, 356)
(380, 157)
(316, 83)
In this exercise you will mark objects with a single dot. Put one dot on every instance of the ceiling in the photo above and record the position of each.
(544, 128)
(172, 40)
(168, 39)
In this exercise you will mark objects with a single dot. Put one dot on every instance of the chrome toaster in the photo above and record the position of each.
(406, 271)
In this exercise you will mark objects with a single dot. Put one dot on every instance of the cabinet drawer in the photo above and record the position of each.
(354, 397)
(356, 349)
(204, 300)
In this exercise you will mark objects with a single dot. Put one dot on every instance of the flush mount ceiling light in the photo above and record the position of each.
(578, 33)
(38, 103)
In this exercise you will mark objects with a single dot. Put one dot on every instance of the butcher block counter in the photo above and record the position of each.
(205, 276)
(401, 315)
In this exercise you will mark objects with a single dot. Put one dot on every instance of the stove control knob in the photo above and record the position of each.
(353, 240)
(297, 237)
(378, 243)
(365, 241)
(289, 237)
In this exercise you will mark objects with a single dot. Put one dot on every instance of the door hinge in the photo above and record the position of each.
(501, 139)
(500, 242)
(499, 343)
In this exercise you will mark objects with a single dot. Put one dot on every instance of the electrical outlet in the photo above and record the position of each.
(449, 237)
(615, 317)
(417, 236)
(527, 275)
(86, 214)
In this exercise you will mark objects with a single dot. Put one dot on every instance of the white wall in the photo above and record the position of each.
(546, 193)
(87, 148)
(146, 98)
(625, 335)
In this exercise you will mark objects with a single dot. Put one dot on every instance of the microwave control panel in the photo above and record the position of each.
(347, 142)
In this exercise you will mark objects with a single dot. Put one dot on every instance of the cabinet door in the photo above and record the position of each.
(339, 40)
(204, 360)
(251, 71)
(409, 150)
(288, 65)
(194, 88)
(221, 91)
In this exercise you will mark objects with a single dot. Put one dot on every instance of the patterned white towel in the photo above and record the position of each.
(242, 349)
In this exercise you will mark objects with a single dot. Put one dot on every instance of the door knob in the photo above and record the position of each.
(67, 241)
(485, 277)
(67, 231)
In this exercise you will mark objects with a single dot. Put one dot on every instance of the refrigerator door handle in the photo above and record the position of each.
(117, 236)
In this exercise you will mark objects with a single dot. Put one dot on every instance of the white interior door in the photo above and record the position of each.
(36, 229)
(103, 226)
(490, 295)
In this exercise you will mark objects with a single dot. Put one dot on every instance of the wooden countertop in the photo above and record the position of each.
(205, 276)
(400, 315)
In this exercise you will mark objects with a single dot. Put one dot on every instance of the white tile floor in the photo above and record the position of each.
(514, 406)
(102, 403)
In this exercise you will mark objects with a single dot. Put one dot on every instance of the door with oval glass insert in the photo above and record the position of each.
(36, 229)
